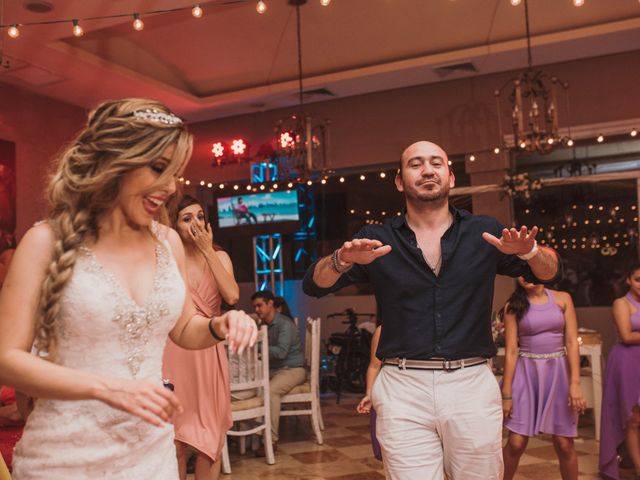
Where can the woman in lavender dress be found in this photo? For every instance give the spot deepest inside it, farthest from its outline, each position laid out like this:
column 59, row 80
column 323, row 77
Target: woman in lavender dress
column 621, row 398
column 541, row 388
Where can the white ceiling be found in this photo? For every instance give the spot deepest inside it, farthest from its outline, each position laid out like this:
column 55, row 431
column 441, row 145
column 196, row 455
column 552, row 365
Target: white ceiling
column 234, row 61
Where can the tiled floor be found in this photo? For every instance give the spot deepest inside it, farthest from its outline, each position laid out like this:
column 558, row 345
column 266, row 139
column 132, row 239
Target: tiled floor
column 346, row 453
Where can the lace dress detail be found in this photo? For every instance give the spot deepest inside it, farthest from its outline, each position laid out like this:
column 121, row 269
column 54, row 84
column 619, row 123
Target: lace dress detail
column 104, row 331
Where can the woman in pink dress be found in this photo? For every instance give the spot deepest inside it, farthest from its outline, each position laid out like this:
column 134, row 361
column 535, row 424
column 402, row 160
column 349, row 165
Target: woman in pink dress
column 201, row 377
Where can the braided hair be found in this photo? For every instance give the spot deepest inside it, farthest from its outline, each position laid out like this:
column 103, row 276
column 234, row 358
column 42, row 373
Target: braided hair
column 86, row 184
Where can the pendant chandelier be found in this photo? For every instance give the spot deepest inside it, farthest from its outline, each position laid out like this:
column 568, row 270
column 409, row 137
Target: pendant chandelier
column 533, row 103
column 301, row 141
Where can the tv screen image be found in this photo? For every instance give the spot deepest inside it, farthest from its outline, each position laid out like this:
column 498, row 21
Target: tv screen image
column 258, row 209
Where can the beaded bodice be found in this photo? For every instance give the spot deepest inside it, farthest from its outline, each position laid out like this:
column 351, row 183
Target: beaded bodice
column 102, row 329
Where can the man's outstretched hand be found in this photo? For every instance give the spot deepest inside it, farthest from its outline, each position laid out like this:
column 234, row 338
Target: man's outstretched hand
column 513, row 242
column 362, row 251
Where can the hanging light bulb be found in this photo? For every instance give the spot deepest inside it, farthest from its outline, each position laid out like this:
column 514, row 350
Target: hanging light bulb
column 600, row 138
column 634, row 132
column 570, row 143
column 196, row 11
column 138, row 24
column 578, row 3
column 496, row 150
column 77, row 29
column 383, row 175
column 341, row 179
column 472, row 158
column 515, row 3
column 261, row 7
column 13, row 31
column 324, row 3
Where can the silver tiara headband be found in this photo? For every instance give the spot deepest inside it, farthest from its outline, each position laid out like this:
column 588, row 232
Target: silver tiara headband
column 154, row 115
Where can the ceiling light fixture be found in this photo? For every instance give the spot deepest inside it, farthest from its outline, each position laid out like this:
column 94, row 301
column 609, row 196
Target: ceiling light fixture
column 77, row 29
column 534, row 106
column 196, row 11
column 138, row 24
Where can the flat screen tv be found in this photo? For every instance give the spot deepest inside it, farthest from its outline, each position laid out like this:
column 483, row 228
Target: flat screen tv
column 258, row 209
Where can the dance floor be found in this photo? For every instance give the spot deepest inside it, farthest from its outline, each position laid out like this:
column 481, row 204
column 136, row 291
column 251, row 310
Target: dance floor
column 346, row 453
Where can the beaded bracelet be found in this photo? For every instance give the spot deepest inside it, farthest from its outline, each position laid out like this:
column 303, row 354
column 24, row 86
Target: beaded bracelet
column 213, row 332
column 335, row 263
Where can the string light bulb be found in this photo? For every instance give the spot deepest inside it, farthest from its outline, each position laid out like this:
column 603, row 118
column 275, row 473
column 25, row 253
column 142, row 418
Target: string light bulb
column 325, row 3
column 600, row 138
column 341, row 179
column 472, row 158
column 634, row 132
column 570, row 143
column 196, row 11
column 362, row 177
column 578, row 3
column 138, row 24
column 13, row 31
column 77, row 29
column 496, row 150
column 261, row 7
column 383, row 175
column 515, row 3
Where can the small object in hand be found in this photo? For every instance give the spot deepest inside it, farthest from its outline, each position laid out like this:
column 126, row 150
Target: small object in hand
column 167, row 384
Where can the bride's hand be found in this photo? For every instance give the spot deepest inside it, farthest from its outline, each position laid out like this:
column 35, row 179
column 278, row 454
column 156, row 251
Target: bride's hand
column 146, row 399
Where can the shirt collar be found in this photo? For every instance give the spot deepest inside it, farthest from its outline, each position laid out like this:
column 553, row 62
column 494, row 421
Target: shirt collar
column 401, row 220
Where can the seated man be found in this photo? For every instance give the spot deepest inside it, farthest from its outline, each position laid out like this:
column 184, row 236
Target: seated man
column 286, row 359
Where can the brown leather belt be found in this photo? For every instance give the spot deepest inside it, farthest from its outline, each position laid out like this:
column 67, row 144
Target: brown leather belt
column 434, row 363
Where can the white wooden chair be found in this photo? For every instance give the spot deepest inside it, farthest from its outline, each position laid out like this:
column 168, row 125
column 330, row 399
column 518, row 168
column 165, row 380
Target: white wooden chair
column 253, row 376
column 309, row 391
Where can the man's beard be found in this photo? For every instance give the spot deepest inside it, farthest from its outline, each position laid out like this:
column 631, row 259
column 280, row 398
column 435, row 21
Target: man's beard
column 429, row 196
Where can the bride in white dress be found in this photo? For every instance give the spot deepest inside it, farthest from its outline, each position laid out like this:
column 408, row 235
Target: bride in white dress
column 98, row 287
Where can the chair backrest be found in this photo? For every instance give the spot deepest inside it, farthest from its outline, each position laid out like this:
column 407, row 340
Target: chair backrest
column 250, row 369
column 312, row 349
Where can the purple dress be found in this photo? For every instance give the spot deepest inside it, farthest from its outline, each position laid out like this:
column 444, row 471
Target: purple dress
column 540, row 387
column 621, row 394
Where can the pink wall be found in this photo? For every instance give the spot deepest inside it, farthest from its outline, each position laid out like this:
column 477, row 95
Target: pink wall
column 459, row 114
column 39, row 127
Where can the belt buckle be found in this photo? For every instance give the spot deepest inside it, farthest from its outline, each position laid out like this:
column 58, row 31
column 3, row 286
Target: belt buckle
column 402, row 364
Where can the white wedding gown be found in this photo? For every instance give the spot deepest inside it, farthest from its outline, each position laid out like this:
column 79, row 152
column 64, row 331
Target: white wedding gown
column 105, row 332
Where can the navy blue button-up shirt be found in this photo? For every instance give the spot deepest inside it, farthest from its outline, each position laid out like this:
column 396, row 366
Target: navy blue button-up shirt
column 424, row 316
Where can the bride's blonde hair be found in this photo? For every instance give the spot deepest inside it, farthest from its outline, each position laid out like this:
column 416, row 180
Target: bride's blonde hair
column 120, row 136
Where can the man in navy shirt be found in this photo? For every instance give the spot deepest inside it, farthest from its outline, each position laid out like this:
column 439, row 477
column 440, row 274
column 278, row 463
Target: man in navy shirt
column 432, row 270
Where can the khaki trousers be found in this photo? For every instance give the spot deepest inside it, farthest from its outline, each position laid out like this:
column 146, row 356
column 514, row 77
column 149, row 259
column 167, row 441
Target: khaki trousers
column 281, row 382
column 430, row 421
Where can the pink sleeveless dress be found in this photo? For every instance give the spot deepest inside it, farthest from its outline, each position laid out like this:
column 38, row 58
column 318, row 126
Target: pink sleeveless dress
column 201, row 380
